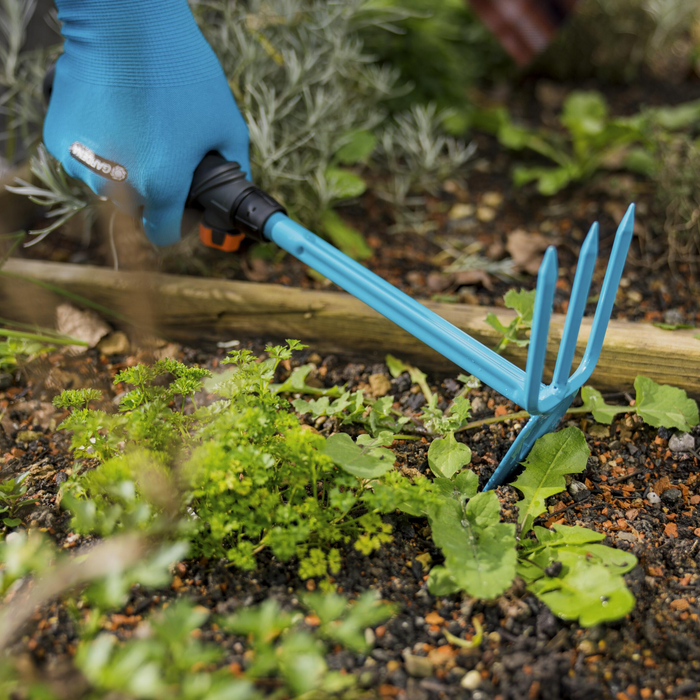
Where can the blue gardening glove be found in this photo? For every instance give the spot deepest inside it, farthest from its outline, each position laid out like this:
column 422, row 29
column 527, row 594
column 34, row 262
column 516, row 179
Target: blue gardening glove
column 138, row 100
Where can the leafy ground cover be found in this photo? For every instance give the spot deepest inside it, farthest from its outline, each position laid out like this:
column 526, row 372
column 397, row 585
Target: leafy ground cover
column 632, row 486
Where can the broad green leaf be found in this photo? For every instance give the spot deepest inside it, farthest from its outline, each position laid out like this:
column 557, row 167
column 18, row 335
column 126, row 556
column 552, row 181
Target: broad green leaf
column 518, row 137
column 584, row 113
column 328, row 606
column 479, row 549
column 348, row 239
column 467, row 484
column 522, row 302
column 302, row 663
column 323, row 406
column 590, row 587
column 664, row 406
column 385, row 438
column 296, row 383
column 359, row 147
column 316, row 407
column 553, row 180
column 440, row 582
column 552, row 457
column 678, row 117
column 447, row 456
column 509, row 333
column 495, row 323
column 490, row 119
column 594, row 402
column 367, row 463
column 396, row 367
column 566, row 534
column 522, row 174
column 345, row 184
column 639, row 160
column 264, row 623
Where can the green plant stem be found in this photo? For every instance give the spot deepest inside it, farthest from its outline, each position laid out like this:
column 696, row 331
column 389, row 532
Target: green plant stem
column 24, row 335
column 496, row 419
column 70, row 295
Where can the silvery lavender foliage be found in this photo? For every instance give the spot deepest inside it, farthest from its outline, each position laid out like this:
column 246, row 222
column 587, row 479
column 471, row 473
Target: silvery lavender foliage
column 419, row 156
column 305, row 83
column 21, row 77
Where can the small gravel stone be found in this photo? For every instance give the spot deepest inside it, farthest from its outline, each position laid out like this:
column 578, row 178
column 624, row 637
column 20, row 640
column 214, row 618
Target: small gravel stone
column 401, row 383
column 380, row 385
column 452, row 386
column 416, row 401
column 5, row 381
column 674, row 317
column 28, row 436
column 116, row 343
column 485, row 214
column 471, row 680
column 418, row 666
column 684, row 442
column 578, row 491
column 671, row 496
column 653, row 498
column 478, row 405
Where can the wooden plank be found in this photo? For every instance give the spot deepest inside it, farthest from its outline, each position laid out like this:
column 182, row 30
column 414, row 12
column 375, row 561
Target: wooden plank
column 192, row 309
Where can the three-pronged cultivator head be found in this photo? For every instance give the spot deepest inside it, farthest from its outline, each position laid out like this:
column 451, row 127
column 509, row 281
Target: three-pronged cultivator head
column 548, row 403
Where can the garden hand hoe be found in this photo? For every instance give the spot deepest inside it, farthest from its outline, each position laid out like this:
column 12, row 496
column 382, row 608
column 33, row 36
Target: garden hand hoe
column 232, row 205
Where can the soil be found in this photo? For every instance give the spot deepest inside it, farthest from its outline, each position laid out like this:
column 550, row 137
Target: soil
column 637, row 491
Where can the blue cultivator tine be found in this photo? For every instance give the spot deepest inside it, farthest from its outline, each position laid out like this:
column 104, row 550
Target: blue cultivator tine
column 537, row 352
column 534, row 429
column 613, row 274
column 577, row 307
column 546, row 404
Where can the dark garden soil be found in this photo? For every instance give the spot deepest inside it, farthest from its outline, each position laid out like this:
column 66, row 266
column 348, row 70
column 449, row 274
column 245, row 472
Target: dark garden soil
column 637, row 491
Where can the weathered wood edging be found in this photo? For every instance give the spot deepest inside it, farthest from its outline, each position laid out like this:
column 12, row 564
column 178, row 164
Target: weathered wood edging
column 192, row 309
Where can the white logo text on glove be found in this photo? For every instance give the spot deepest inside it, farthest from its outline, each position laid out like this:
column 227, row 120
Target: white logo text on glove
column 101, row 166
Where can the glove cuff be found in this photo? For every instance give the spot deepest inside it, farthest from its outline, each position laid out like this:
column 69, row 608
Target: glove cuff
column 134, row 43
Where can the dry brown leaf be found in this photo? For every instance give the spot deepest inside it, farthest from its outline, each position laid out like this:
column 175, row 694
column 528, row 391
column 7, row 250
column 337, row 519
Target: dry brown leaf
column 82, row 325
column 527, row 250
column 471, row 278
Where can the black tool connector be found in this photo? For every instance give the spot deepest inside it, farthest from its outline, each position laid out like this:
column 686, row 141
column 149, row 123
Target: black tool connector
column 231, row 202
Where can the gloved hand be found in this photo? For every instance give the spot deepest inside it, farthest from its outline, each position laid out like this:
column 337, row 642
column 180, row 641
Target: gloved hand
column 139, row 98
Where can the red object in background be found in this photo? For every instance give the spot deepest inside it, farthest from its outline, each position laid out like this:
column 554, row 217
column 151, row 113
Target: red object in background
column 524, row 27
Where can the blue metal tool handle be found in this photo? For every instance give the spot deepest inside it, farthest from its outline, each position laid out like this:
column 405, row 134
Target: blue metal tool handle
column 230, row 200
